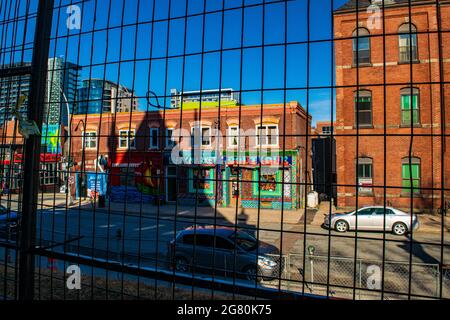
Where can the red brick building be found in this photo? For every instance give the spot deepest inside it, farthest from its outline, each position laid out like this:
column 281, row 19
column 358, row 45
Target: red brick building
column 140, row 147
column 389, row 87
column 324, row 128
column 11, row 158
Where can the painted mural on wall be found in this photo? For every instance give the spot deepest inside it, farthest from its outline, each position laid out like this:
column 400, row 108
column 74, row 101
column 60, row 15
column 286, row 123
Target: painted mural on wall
column 137, row 184
column 51, row 138
column 147, row 178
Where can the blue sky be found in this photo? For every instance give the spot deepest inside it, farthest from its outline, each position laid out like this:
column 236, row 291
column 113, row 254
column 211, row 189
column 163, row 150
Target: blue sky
column 137, row 61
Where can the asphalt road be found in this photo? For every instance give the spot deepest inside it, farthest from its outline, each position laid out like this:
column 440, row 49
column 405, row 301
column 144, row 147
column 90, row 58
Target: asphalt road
column 148, row 236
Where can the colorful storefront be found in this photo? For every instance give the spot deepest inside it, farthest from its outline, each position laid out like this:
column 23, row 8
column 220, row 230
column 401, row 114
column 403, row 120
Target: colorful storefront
column 136, row 177
column 247, row 180
column 11, row 173
column 269, row 182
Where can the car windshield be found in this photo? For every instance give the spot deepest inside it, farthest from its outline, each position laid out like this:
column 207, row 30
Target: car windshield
column 244, row 240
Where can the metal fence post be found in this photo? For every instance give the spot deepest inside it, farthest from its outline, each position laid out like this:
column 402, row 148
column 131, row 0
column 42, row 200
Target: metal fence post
column 287, row 271
column 312, row 272
column 438, row 277
column 32, row 147
column 360, row 278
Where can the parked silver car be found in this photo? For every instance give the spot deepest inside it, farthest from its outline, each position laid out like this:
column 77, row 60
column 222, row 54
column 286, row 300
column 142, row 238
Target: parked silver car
column 223, row 250
column 371, row 218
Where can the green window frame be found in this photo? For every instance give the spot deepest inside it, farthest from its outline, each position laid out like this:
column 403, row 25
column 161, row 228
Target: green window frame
column 409, row 104
column 209, row 179
column 364, row 170
column 411, row 174
column 267, row 193
column 363, row 108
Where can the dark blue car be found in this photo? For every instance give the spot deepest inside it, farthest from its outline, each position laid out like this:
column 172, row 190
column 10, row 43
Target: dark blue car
column 9, row 220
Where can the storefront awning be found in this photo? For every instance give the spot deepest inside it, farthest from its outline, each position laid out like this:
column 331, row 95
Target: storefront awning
column 45, row 157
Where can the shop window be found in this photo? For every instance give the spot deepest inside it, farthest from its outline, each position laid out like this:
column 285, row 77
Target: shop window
column 49, row 174
column 409, row 104
column 270, row 183
column 407, row 43
column 361, row 47
column 154, row 138
column 201, row 180
column 411, row 175
column 127, row 139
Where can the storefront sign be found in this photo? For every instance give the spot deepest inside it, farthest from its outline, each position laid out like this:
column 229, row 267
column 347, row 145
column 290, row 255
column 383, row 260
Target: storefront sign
column 97, row 183
column 268, row 160
column 209, row 157
column 203, row 157
column 127, row 165
column 365, row 185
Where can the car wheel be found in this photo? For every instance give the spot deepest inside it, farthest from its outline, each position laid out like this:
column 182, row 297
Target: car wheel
column 399, row 228
column 251, row 273
column 341, row 226
column 181, row 264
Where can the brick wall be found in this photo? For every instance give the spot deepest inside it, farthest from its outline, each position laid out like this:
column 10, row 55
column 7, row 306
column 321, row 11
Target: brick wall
column 292, row 123
column 385, row 85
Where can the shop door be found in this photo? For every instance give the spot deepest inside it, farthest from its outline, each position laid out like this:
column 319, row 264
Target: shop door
column 171, row 184
column 234, row 192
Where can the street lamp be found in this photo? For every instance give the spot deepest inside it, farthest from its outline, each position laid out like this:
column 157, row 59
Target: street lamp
column 68, row 147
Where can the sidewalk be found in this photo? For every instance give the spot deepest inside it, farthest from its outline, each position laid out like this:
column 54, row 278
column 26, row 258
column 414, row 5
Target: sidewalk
column 202, row 213
column 48, row 201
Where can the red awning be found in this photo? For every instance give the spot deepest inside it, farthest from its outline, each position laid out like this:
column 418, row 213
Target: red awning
column 45, row 157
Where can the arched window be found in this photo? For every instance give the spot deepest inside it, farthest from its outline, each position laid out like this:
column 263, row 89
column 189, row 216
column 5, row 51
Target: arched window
column 361, row 47
column 411, row 175
column 407, row 43
column 363, row 108
column 409, row 106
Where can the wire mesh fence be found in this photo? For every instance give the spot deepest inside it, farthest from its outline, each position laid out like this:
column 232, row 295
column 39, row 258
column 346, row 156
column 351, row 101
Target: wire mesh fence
column 175, row 149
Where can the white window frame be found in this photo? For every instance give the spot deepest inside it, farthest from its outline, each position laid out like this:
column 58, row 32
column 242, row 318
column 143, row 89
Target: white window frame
column 201, row 132
column 49, row 173
column 170, row 141
column 127, row 139
column 86, row 138
column 152, row 146
column 231, row 136
column 265, row 133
